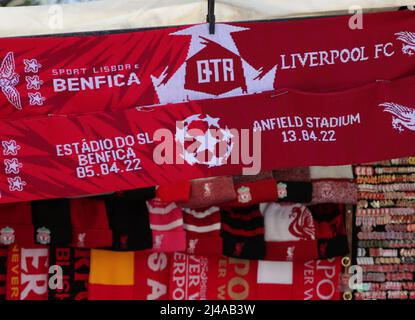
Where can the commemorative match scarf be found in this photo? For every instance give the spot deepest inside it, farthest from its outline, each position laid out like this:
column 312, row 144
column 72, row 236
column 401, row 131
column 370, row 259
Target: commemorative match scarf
column 96, row 72
column 101, row 152
column 53, row 146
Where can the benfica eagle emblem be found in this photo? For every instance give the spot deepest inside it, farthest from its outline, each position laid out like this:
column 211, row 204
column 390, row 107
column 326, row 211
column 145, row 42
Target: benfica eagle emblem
column 9, row 79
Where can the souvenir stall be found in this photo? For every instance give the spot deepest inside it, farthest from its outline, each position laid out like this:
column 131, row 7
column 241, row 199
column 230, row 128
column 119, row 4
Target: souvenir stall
column 238, row 159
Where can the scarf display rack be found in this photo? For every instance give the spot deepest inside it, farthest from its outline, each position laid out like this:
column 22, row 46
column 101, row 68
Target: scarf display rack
column 126, row 169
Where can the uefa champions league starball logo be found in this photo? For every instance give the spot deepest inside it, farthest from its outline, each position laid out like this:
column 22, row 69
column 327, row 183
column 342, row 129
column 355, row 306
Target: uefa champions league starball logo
column 203, row 141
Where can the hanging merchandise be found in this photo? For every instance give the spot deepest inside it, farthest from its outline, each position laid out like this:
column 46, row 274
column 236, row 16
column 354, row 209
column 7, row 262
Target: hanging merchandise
column 208, row 192
column 289, row 232
column 296, row 191
column 203, row 229
column 75, row 267
column 27, row 273
column 52, row 222
column 129, row 219
column 140, row 275
column 83, row 73
column 334, row 191
column 264, row 175
column 253, row 193
column 102, row 152
column 300, row 174
column 16, row 224
column 223, row 278
column 243, row 232
column 184, row 163
column 384, row 236
column 90, row 227
column 166, row 223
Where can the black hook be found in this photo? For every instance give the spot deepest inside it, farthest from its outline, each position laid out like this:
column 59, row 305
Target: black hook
column 210, row 18
column 406, row 8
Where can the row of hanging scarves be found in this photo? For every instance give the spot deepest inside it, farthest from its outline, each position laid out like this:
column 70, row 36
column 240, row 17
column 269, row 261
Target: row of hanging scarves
column 318, row 93
column 127, row 14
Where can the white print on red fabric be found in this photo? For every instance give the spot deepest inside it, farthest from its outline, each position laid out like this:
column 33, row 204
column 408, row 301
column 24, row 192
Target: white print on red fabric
column 206, row 143
column 189, row 277
column 36, row 99
column 7, row 236
column 16, row 184
column 408, row 38
column 33, row 82
column 31, row 65
column 318, row 279
column 403, row 117
column 302, row 225
column 213, row 68
column 206, row 190
column 192, row 246
column 244, row 195
column 158, row 240
column 13, row 166
column 288, row 222
column 201, row 214
column 10, row 148
column 34, row 272
column 9, row 80
column 290, row 253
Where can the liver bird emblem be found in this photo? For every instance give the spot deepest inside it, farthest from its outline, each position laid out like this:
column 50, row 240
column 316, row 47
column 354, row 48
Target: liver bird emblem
column 408, row 38
column 9, row 79
column 403, row 117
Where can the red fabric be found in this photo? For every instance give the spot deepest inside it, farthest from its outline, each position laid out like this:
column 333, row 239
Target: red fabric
column 152, row 274
column 90, row 227
column 204, row 221
column 212, row 278
column 16, row 224
column 27, row 273
column 224, row 278
column 166, row 222
column 105, row 292
column 171, row 241
column 203, row 231
column 254, row 192
column 209, row 192
column 317, row 280
column 180, row 65
column 57, row 139
column 143, row 275
column 174, row 192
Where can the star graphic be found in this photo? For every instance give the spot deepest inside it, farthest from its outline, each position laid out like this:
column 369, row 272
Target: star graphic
column 12, row 166
column 10, row 147
column 200, row 37
column 212, row 121
column 36, row 99
column 16, row 184
column 33, row 82
column 227, row 135
column 207, row 142
column 31, row 65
